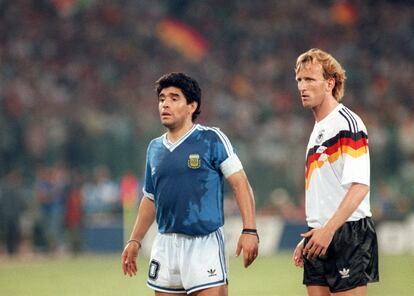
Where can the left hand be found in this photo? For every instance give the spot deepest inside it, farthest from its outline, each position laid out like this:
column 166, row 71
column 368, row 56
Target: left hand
column 318, row 243
column 250, row 246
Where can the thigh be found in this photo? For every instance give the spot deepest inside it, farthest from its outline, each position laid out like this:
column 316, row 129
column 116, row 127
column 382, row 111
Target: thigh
column 215, row 291
column 203, row 263
column 157, row 293
column 358, row 291
column 318, row 291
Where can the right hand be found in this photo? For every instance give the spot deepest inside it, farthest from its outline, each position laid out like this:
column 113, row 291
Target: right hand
column 298, row 254
column 129, row 258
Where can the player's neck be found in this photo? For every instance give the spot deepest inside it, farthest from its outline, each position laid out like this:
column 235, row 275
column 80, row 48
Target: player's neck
column 326, row 107
column 175, row 134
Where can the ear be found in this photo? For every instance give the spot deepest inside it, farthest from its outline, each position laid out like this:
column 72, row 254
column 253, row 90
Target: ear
column 193, row 106
column 330, row 84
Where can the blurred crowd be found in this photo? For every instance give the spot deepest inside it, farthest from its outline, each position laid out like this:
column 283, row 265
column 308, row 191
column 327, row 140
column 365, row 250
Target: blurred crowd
column 78, row 107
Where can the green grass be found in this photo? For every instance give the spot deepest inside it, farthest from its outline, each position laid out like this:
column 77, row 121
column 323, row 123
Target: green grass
column 101, row 275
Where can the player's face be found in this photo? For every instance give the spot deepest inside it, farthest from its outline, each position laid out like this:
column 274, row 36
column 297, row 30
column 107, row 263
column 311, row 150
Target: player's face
column 313, row 87
column 173, row 108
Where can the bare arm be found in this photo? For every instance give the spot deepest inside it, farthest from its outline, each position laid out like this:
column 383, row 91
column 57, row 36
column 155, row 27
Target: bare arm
column 245, row 201
column 144, row 220
column 322, row 237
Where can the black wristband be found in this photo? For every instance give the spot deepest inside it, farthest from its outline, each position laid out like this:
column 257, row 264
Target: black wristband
column 251, row 232
column 135, row 241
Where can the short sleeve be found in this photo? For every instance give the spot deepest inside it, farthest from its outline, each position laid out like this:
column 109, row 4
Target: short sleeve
column 225, row 156
column 355, row 157
column 148, row 189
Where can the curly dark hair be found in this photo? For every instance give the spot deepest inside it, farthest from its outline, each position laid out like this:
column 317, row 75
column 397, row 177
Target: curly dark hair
column 188, row 86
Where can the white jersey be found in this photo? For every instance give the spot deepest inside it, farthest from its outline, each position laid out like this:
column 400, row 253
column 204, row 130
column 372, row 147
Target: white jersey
column 337, row 156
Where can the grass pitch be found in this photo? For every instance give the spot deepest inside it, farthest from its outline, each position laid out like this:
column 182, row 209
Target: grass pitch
column 101, row 275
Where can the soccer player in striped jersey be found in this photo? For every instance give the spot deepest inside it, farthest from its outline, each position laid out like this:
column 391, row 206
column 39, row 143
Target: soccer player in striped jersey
column 339, row 251
column 183, row 192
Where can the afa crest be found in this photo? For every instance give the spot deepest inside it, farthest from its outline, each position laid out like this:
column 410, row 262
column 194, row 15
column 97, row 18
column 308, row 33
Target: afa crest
column 194, row 161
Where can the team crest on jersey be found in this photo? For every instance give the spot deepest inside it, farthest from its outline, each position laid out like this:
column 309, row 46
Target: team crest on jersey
column 319, row 138
column 194, row 161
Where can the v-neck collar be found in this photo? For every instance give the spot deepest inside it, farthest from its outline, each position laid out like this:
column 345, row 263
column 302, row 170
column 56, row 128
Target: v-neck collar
column 171, row 146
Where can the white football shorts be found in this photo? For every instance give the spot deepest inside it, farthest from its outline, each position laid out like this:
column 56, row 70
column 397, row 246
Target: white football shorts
column 184, row 264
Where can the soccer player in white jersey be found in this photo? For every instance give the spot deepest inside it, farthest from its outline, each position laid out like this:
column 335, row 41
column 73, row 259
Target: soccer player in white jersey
column 183, row 192
column 339, row 252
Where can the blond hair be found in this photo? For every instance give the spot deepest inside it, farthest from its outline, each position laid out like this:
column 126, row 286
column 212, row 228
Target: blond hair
column 331, row 69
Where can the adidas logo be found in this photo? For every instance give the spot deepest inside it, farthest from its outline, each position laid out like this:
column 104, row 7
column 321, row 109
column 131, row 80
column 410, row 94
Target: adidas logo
column 344, row 273
column 212, row 272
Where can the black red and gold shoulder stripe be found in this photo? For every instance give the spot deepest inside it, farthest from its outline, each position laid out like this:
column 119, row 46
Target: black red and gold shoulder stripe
column 345, row 142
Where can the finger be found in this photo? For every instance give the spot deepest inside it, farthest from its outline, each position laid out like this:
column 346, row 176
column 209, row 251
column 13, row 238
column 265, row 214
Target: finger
column 131, row 265
column 316, row 252
column 252, row 256
column 248, row 256
column 297, row 258
column 297, row 252
column 130, row 272
column 307, row 247
column 296, row 261
column 127, row 266
column 311, row 251
column 307, row 234
column 248, row 260
column 134, row 267
column 238, row 250
column 131, row 269
column 309, row 254
column 127, row 270
column 245, row 258
column 123, row 262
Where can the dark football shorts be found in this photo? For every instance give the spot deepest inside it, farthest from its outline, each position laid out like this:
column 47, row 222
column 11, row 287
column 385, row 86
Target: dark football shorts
column 351, row 259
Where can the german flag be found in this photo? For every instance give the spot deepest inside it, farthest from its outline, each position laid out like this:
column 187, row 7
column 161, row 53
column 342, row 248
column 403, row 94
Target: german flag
column 344, row 13
column 345, row 142
column 183, row 38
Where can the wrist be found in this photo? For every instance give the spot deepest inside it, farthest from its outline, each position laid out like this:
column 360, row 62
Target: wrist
column 251, row 231
column 330, row 228
column 135, row 241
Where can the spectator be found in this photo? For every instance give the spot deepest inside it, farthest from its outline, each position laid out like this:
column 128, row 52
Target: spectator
column 12, row 205
column 74, row 83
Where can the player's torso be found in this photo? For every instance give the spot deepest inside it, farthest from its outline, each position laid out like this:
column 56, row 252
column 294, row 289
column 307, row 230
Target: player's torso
column 187, row 183
column 332, row 141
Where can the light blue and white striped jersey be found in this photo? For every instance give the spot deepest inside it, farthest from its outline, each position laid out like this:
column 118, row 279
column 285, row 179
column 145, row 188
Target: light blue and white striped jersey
column 185, row 180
